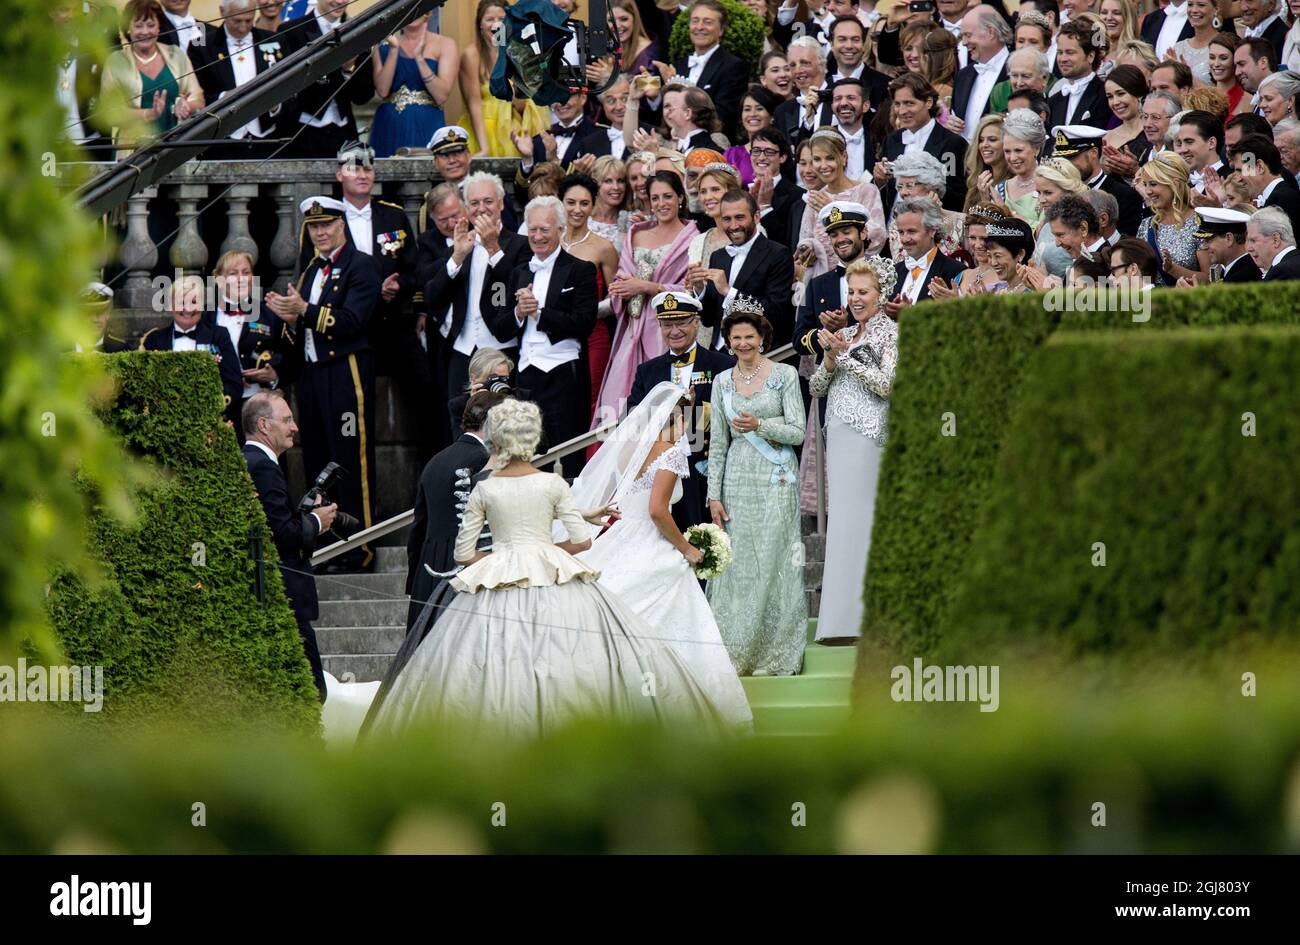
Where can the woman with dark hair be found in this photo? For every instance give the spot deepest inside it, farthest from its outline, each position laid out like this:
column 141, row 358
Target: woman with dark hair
column 653, row 260
column 756, row 110
column 774, row 74
column 1223, row 71
column 579, row 193
column 1126, row 87
column 758, row 419
column 158, row 79
column 1009, row 245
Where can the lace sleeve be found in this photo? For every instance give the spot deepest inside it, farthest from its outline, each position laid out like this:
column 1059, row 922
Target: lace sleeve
column 820, row 382
column 674, row 459
column 883, row 339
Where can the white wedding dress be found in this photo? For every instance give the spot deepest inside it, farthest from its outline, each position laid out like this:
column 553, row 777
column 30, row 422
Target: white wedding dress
column 645, row 571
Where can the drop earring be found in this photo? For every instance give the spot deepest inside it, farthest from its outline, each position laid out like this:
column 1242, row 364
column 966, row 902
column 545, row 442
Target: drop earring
column 1216, row 23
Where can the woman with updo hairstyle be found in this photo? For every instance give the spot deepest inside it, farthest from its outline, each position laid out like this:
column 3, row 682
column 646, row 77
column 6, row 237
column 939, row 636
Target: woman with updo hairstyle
column 712, row 180
column 1164, row 182
column 488, row 666
column 1055, row 178
column 579, row 194
column 1023, row 136
column 653, row 260
column 830, row 157
column 855, row 376
column 1008, row 245
column 757, row 419
column 973, row 281
column 940, row 50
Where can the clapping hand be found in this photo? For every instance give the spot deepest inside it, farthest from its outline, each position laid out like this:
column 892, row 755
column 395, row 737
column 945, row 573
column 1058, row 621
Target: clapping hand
column 985, row 184
column 462, row 242
column 584, row 164
column 895, row 305
column 600, row 70
column 1213, row 185
column 939, row 289
column 666, row 72
column 159, row 103
column 761, row 189
column 524, row 145
column 183, row 108
column 696, row 276
column 643, row 140
column 526, row 302
column 288, row 306
column 549, row 144
column 488, row 229
column 817, row 199
column 624, row 286
column 834, row 320
column 1032, row 276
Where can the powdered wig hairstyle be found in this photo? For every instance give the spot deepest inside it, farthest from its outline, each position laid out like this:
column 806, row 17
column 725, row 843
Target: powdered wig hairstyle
column 924, row 168
column 1024, row 125
column 513, row 430
column 1169, row 169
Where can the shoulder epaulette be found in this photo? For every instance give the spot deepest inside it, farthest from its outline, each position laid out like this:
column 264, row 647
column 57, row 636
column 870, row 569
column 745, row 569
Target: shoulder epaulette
column 395, row 206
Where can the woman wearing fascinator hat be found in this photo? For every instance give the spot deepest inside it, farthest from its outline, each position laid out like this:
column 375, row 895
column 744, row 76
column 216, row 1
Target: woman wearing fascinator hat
column 856, row 376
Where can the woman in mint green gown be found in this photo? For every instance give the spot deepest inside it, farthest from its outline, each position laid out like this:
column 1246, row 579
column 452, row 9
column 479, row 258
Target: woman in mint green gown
column 754, row 493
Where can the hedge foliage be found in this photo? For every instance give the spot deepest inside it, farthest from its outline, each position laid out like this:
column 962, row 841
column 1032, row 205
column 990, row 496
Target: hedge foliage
column 1173, row 450
column 742, row 37
column 1188, row 767
column 961, row 369
column 174, row 620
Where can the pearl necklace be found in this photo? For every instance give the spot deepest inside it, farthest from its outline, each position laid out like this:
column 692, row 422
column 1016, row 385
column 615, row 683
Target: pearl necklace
column 145, row 62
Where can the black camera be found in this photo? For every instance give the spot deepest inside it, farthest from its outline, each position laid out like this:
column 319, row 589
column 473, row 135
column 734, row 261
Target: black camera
column 921, row 6
column 345, row 525
column 497, row 384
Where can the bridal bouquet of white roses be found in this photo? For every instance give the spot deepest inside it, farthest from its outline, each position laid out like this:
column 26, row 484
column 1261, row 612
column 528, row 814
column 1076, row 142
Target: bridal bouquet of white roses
column 715, row 544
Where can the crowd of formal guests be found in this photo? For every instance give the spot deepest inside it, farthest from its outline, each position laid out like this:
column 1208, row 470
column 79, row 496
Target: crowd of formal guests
column 866, row 162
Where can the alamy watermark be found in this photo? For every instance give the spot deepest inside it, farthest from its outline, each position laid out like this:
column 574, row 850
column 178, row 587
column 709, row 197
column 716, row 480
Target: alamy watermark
column 934, row 683
column 37, row 683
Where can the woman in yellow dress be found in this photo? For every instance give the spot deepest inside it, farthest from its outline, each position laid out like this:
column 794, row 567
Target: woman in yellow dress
column 489, row 120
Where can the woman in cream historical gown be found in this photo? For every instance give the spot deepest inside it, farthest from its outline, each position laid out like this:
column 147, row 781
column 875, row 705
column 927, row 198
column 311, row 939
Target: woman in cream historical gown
column 643, row 557
column 533, row 640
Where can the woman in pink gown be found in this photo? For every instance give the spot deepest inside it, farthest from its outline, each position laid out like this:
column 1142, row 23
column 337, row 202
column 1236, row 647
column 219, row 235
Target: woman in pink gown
column 653, row 261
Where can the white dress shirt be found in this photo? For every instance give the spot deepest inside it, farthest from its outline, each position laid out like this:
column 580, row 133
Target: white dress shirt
column 1266, row 193
column 986, row 78
column 233, row 323
column 617, row 146
column 1175, row 20
column 1233, row 263
column 537, row 350
column 189, row 344
column 187, row 29
column 856, row 146
column 474, row 334
column 244, row 64
column 317, row 287
column 360, row 227
column 917, row 270
column 332, row 115
column 854, row 74
column 696, row 62
column 1074, row 89
column 1256, row 32
column 67, row 94
column 738, row 256
column 1280, row 256
column 914, row 141
column 1291, row 48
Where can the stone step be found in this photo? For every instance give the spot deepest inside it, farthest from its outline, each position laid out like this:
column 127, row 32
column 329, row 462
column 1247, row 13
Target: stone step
column 362, row 613
column 764, row 691
column 357, row 667
column 354, row 641
column 390, row 560
column 800, row 720
column 377, row 586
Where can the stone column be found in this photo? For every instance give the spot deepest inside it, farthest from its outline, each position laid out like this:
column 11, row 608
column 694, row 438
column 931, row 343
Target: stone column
column 284, row 248
column 189, row 252
column 139, row 253
column 410, row 194
column 237, row 236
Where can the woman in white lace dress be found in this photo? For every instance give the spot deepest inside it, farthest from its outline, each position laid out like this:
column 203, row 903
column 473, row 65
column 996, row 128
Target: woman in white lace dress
column 533, row 640
column 855, row 377
column 643, row 557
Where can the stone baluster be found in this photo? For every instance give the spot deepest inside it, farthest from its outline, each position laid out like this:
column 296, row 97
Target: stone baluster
column 189, row 253
column 410, row 194
column 237, row 235
column 284, row 248
column 139, row 253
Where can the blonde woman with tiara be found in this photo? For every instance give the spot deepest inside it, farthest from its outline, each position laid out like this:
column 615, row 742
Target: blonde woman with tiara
column 829, row 158
column 1171, row 228
column 1054, row 178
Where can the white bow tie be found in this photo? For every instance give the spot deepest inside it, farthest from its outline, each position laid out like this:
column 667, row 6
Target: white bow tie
column 363, row 212
column 1255, row 32
column 537, row 265
column 734, row 251
column 1174, row 9
column 186, row 20
column 911, row 137
column 954, row 28
column 1070, row 86
column 615, row 134
column 683, row 144
column 983, row 68
column 856, row 138
column 1196, row 179
column 918, row 263
column 1259, row 201
column 693, row 61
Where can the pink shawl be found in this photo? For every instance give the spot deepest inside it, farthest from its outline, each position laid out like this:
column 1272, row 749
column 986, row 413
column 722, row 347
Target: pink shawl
column 637, row 340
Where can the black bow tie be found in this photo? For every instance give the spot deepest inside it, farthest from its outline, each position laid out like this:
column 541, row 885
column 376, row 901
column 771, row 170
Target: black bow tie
column 178, row 333
column 560, row 131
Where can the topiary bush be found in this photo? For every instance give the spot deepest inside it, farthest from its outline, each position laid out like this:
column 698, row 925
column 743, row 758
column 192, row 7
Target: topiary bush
column 174, row 620
column 960, row 370
column 1173, row 450
column 742, row 37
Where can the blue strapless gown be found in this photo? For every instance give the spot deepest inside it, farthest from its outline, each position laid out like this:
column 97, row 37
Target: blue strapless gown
column 414, row 125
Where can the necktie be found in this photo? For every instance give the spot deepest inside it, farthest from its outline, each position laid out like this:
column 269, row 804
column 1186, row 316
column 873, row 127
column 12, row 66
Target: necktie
column 560, row 131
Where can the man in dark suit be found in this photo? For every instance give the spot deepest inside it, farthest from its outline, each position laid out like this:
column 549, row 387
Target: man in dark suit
column 180, row 27
column 850, row 44
column 440, row 499
column 1258, row 161
column 919, row 223
column 1262, row 22
column 233, row 55
column 987, row 35
column 823, row 298
column 1270, row 239
column 1081, row 144
column 1223, row 234
column 752, row 265
column 688, row 365
column 716, row 72
column 1080, row 98
column 268, row 431
column 560, row 142
column 550, row 306
column 328, row 315
column 780, row 203
column 189, row 331
column 608, row 139
column 807, row 74
column 97, row 303
column 462, row 283
column 915, row 106
column 321, row 114
column 1154, row 25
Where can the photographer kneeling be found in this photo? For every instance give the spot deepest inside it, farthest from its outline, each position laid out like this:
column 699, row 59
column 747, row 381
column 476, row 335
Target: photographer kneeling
column 269, row 427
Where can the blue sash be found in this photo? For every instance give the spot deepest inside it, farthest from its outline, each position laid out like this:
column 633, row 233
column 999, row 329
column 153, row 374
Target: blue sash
column 782, row 458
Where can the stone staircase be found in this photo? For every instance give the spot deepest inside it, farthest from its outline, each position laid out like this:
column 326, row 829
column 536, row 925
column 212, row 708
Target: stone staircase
column 363, row 621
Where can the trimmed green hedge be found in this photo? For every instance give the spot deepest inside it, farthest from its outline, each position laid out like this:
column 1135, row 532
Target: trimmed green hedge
column 965, row 361
column 1192, row 767
column 173, row 619
column 1135, row 440
column 743, row 36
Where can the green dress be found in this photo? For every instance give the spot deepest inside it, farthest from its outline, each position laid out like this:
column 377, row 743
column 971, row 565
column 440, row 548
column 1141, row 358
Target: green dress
column 166, row 82
column 759, row 600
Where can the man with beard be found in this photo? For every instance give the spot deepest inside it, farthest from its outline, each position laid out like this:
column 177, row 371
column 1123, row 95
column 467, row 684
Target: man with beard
column 1081, row 144
column 823, row 299
column 848, row 102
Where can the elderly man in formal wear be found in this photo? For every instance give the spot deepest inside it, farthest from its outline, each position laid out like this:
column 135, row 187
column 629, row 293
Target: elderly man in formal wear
column 693, row 368
column 549, row 305
column 805, row 112
column 328, row 314
column 751, row 265
column 919, row 221
column 1270, row 239
column 987, row 36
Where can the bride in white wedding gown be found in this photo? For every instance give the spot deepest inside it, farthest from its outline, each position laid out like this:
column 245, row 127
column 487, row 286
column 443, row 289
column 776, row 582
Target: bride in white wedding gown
column 643, row 557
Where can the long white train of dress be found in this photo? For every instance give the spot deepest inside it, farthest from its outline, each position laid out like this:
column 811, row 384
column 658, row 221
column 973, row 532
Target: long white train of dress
column 648, row 574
